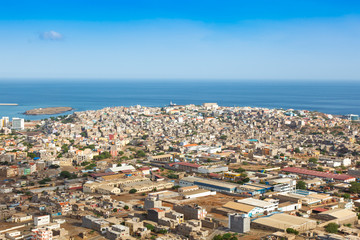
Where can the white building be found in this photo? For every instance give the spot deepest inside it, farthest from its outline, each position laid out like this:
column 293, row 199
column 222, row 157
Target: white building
column 42, row 234
column 338, row 162
column 267, row 206
column 285, row 188
column 41, row 220
column 122, row 167
column 18, row 124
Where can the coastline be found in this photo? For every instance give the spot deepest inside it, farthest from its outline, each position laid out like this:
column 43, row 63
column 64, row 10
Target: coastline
column 82, row 97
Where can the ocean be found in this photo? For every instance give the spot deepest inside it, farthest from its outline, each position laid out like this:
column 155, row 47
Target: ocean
column 336, row 98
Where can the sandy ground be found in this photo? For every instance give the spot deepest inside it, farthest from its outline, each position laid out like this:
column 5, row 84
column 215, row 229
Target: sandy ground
column 136, row 198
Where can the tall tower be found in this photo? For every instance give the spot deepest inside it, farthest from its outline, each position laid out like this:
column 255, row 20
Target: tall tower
column 152, row 202
column 239, row 223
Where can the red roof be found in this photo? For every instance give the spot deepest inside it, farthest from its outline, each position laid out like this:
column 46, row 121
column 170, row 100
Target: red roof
column 144, row 168
column 190, row 145
column 319, row 209
column 214, row 175
column 157, row 209
column 317, row 173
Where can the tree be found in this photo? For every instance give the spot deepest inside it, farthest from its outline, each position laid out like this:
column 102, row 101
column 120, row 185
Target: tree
column 301, row 185
column 150, row 227
column 115, row 210
column 173, row 176
column 245, row 180
column 65, row 174
column 140, row 154
column 54, row 166
column 240, row 170
column 346, row 195
column 227, row 236
column 126, row 207
column 132, row 191
column 313, row 160
column 332, row 228
column 355, row 187
column 162, row 231
column 291, row 230
column 65, row 148
column 297, row 150
column 223, row 137
column 102, row 156
column 217, row 237
column 31, row 155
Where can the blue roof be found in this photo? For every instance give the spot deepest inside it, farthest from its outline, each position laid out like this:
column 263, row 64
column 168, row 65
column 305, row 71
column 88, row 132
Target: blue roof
column 252, row 140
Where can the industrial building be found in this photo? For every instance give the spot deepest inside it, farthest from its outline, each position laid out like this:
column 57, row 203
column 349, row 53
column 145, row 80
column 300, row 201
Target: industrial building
column 340, row 216
column 253, row 189
column 209, row 184
column 267, row 206
column 248, row 210
column 312, row 173
column 282, row 221
column 305, row 199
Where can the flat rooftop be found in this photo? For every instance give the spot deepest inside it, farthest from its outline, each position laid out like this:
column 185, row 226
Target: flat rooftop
column 256, row 202
column 210, row 182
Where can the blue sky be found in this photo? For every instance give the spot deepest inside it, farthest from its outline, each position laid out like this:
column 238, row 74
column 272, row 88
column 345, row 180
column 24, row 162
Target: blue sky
column 180, row 39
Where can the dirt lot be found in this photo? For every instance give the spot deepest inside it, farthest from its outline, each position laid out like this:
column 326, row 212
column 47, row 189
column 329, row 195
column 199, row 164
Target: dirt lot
column 208, row 202
column 255, row 234
column 136, row 198
column 74, row 228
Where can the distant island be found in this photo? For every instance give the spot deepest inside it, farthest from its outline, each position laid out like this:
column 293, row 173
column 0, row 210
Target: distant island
column 48, row 111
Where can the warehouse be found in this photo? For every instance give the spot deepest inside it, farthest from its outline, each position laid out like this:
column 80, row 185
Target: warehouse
column 312, row 173
column 209, row 184
column 282, row 221
column 267, row 206
column 147, row 186
column 340, row 216
column 198, row 193
column 250, row 211
column 253, row 189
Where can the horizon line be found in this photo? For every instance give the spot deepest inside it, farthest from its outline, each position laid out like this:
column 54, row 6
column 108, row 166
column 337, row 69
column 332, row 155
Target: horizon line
column 42, row 79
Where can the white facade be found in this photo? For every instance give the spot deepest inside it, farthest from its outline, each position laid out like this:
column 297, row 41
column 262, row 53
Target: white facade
column 41, row 220
column 290, row 207
column 285, row 188
column 201, row 194
column 267, row 206
column 213, row 169
column 117, row 169
column 18, row 123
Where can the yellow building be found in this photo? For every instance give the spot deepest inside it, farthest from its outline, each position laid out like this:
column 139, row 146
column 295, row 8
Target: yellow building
column 231, row 175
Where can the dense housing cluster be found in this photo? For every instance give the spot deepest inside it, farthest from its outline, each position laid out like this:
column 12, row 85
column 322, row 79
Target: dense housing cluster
column 180, row 172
